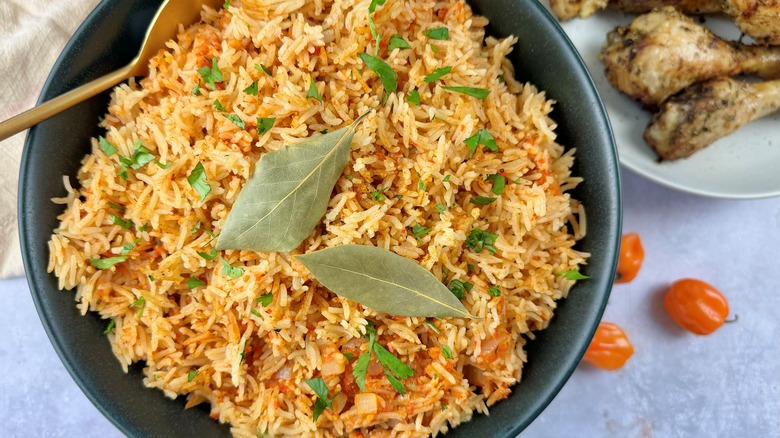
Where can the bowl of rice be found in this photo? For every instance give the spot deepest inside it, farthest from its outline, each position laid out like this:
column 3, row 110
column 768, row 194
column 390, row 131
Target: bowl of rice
column 474, row 148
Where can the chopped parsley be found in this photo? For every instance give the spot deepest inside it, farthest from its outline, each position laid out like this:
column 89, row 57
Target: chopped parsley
column 441, row 208
column 211, row 74
column 140, row 158
column 437, row 74
column 256, row 313
column 236, row 120
column 482, row 200
column 116, row 206
column 252, row 89
column 231, row 271
column 313, row 92
column 480, row 239
column 459, row 288
column 419, row 231
column 265, row 299
column 378, row 195
column 479, row 93
column 140, row 303
column 127, row 247
column 110, row 327
column 397, row 42
column 262, row 68
column 446, row 178
column 498, row 183
column 218, row 105
column 413, row 97
column 421, row 185
column 494, row 291
column 107, row 147
column 196, row 228
column 107, row 262
column 393, row 367
column 349, row 356
column 446, row 351
column 193, row 282
column 211, row 255
column 227, row 4
column 573, row 274
column 191, row 375
column 121, row 222
column 163, row 166
column 144, row 228
column 433, row 327
column 264, row 124
column 322, row 402
column 197, row 179
column 482, row 137
column 196, row 89
column 384, row 71
column 439, row 33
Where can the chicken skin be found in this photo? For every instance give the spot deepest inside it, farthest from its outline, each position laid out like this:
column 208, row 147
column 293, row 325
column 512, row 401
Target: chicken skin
column 708, row 111
column 663, row 52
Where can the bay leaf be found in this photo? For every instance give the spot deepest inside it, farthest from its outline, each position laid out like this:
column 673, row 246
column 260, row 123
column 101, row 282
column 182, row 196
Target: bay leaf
column 288, row 194
column 383, row 281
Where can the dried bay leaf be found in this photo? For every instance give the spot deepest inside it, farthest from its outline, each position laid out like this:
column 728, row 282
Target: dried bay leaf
column 383, row 281
column 288, row 194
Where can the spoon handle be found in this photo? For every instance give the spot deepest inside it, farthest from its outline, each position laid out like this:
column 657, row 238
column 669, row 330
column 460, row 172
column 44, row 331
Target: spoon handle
column 60, row 103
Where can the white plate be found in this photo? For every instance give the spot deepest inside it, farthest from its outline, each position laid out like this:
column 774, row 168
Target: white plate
column 744, row 165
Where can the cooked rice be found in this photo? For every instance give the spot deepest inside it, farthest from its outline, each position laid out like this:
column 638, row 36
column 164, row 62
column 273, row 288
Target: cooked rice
column 251, row 369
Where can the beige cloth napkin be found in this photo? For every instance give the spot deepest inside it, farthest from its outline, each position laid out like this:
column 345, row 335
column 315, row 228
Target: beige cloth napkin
column 32, row 35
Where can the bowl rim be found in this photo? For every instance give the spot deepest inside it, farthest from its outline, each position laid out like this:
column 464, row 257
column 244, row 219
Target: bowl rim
column 61, row 345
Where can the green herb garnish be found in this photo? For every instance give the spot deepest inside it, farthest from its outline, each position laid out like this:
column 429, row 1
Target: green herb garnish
column 121, row 222
column 264, row 124
column 231, row 271
column 413, row 97
column 211, row 74
column 349, row 356
column 256, row 313
column 252, row 89
column 397, row 42
column 384, row 71
column 446, row 178
column 498, row 183
column 322, row 402
column 197, row 180
column 482, row 200
column 393, row 367
column 140, row 303
column 265, row 299
column 433, row 327
column 479, row 93
column 479, row 239
column 211, row 255
column 419, row 231
column 494, row 291
column 378, row 195
column 262, row 68
column 482, row 137
column 193, row 282
column 227, row 4
column 236, row 120
column 441, row 208
column 116, row 206
column 126, row 248
column 196, row 89
column 437, row 74
column 313, row 92
column 107, row 262
column 218, row 105
column 191, row 375
column 439, row 33
column 446, row 351
column 110, row 326
column 573, row 274
column 107, row 147
column 459, row 288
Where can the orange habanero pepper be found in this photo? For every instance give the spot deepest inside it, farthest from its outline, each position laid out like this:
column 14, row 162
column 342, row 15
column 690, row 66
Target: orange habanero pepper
column 631, row 257
column 610, row 348
column 696, row 306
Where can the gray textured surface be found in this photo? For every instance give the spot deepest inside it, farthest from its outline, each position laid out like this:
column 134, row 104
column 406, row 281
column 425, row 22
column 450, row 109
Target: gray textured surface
column 676, row 385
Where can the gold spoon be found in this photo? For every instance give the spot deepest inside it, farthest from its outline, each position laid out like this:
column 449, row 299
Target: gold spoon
column 163, row 28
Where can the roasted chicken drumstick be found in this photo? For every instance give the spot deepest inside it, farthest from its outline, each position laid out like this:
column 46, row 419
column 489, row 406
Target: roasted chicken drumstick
column 663, row 52
column 759, row 19
column 708, row 111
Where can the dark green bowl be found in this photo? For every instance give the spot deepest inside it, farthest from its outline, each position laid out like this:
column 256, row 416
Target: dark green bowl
column 110, row 37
